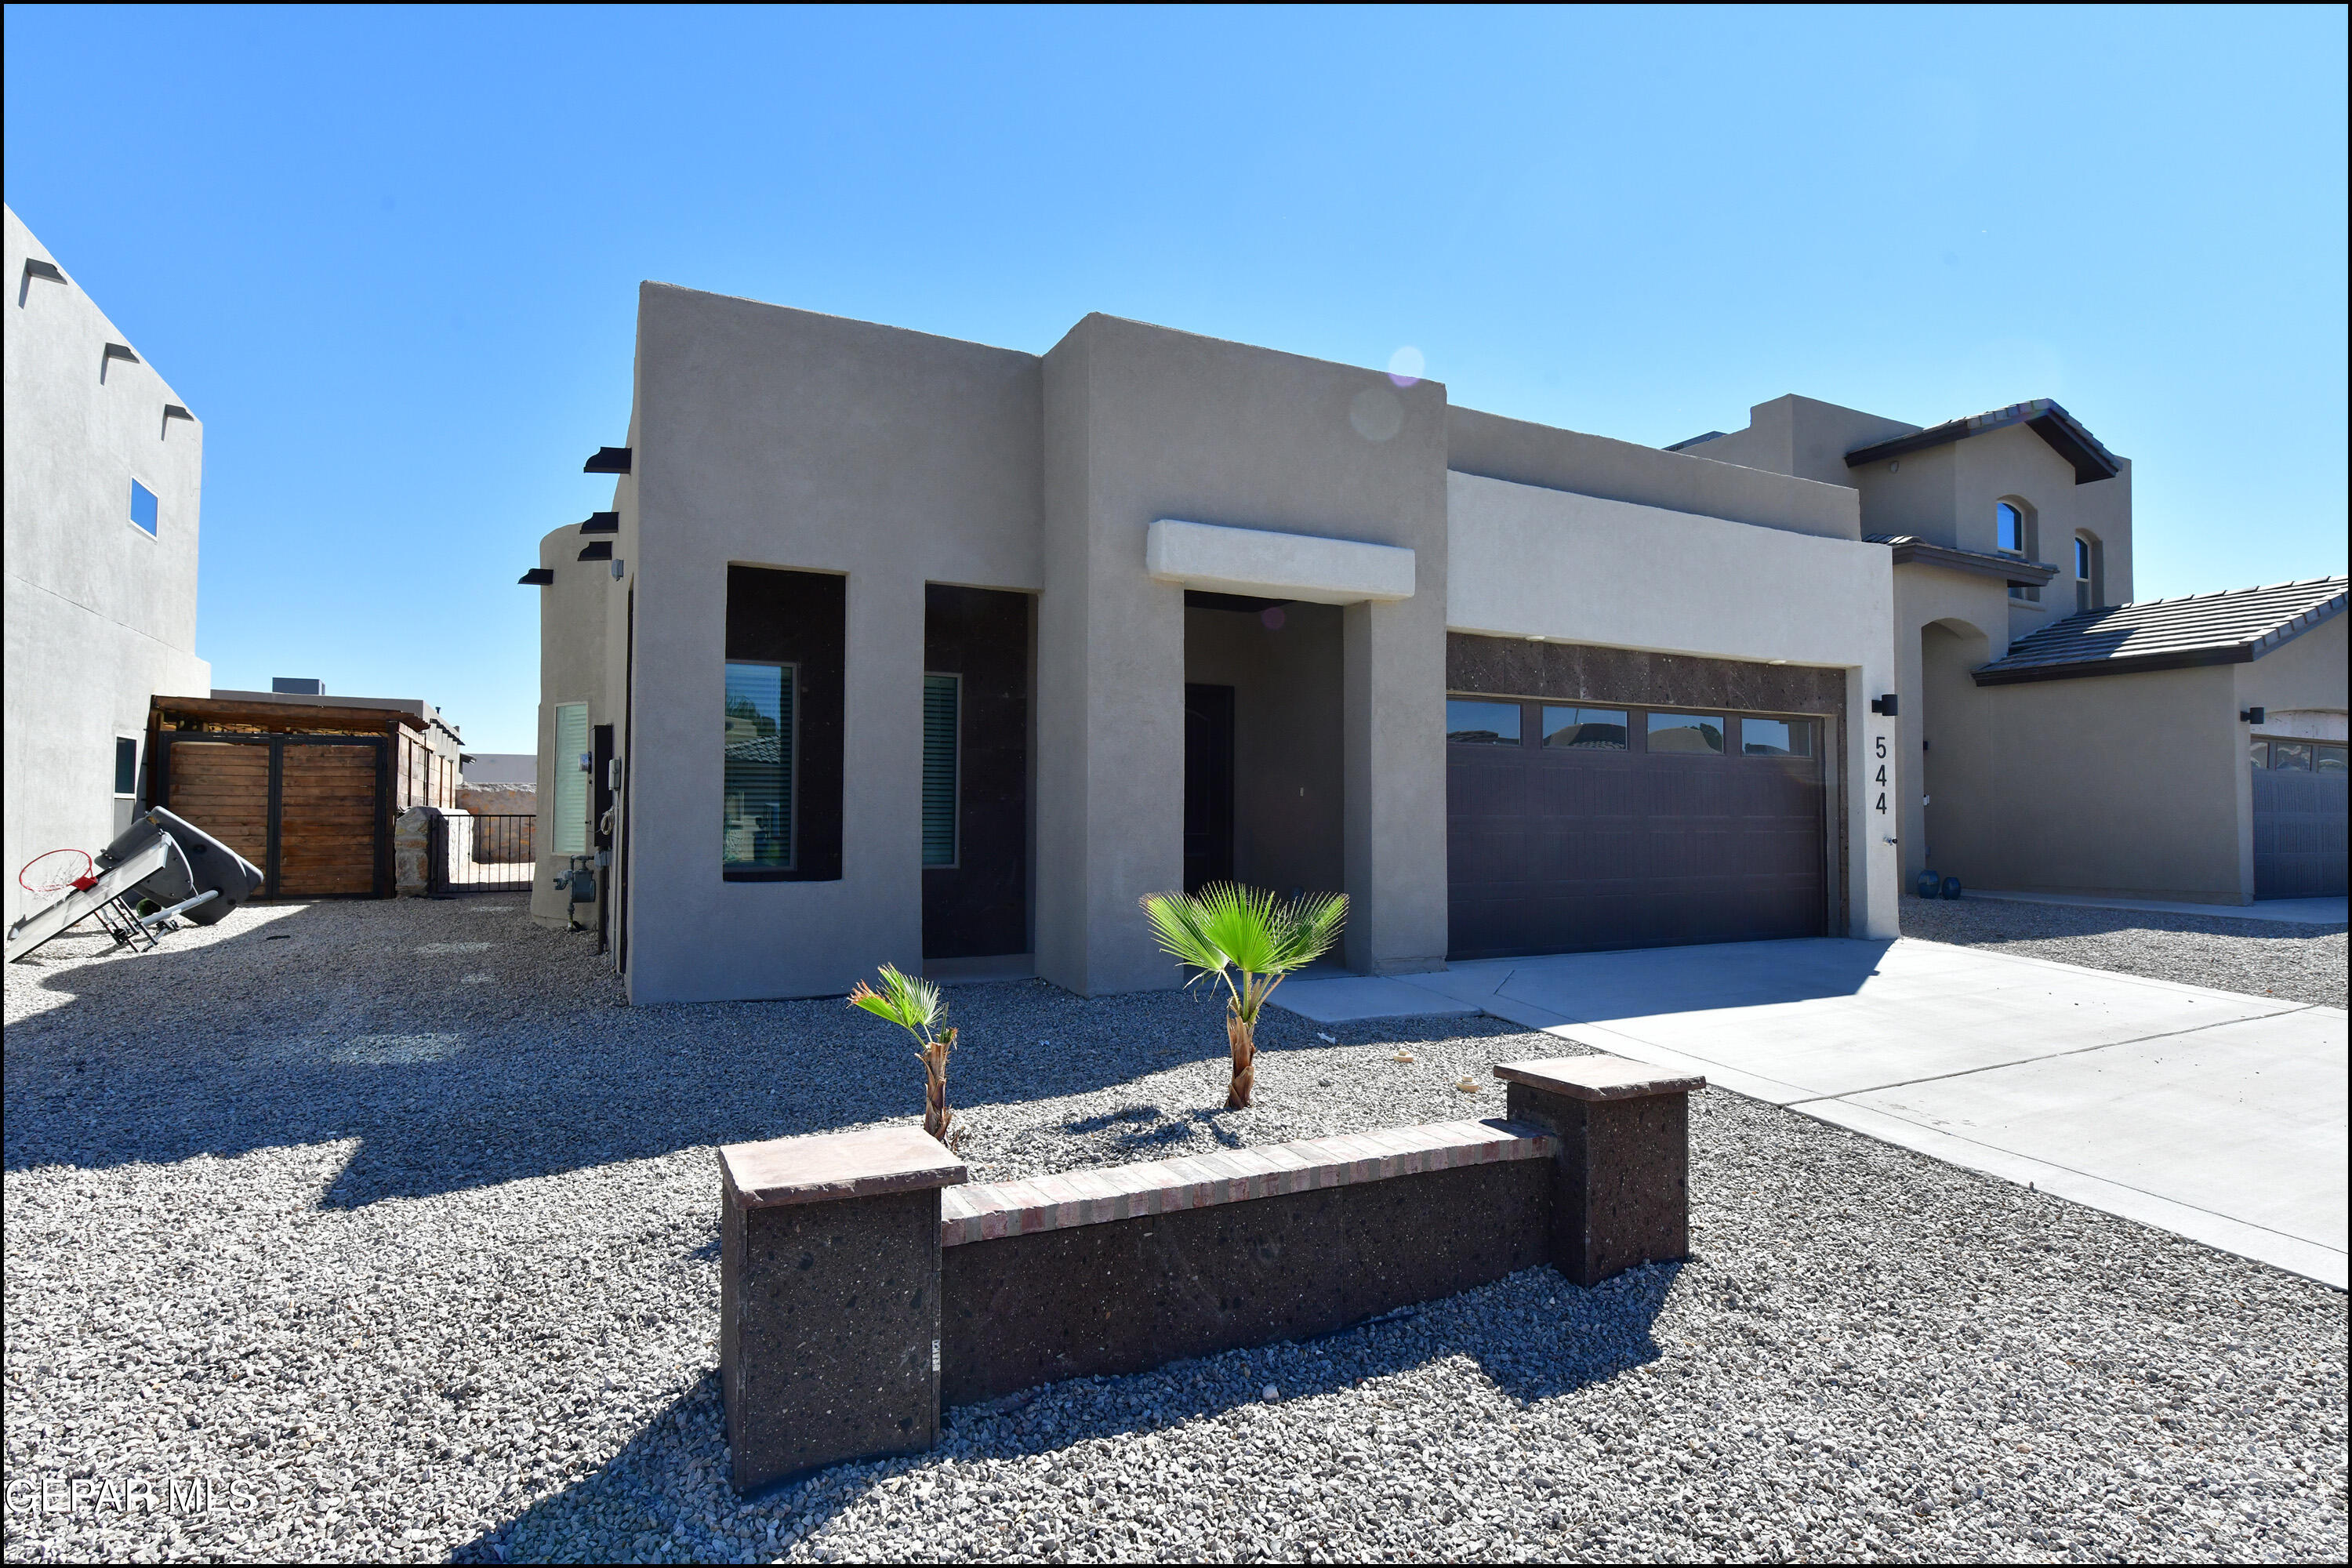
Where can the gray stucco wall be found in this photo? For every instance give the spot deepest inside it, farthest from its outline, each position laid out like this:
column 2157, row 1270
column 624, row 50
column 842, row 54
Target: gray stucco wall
column 100, row 614
column 779, row 438
column 1142, row 423
column 571, row 638
column 1494, row 447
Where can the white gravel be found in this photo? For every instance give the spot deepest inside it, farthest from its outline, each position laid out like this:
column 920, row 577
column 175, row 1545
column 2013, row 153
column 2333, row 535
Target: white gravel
column 405, row 1245
column 2258, row 958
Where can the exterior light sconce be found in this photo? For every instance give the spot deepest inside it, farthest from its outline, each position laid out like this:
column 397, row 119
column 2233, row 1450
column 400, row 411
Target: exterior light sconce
column 1884, row 705
column 2250, row 716
column 618, row 565
column 537, row 577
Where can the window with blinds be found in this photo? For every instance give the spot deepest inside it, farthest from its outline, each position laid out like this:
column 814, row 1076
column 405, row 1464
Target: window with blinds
column 942, row 709
column 571, row 763
column 758, row 789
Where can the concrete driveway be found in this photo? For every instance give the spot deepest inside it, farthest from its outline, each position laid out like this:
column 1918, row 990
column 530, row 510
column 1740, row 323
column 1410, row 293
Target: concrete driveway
column 2216, row 1116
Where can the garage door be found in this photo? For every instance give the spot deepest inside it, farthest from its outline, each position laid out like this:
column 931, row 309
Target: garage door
column 2299, row 819
column 1575, row 828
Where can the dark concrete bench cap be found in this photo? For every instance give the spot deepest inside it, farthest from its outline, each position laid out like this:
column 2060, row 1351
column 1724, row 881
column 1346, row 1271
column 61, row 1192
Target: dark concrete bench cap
column 1597, row 1078
column 829, row 1166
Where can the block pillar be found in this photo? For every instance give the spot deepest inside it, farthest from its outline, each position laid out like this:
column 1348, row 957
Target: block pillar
column 1620, row 1194
column 829, row 1299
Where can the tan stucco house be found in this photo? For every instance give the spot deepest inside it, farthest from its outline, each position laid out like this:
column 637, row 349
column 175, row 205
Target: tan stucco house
column 2055, row 736
column 894, row 647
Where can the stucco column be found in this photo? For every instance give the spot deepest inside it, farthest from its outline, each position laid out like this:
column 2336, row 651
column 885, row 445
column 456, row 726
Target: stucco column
column 1394, row 734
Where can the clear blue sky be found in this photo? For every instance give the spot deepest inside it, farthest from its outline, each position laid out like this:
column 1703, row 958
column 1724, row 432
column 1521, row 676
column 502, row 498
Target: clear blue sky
column 390, row 257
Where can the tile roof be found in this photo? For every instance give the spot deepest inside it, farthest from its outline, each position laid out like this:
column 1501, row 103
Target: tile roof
column 2065, row 434
column 2234, row 627
column 2008, row 568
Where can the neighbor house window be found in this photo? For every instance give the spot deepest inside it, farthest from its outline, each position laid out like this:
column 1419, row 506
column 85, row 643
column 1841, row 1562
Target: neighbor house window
column 1686, row 732
column 758, row 818
column 142, row 506
column 2090, row 592
column 942, row 705
column 1584, row 729
column 2015, row 535
column 126, row 781
column 573, row 760
column 1776, row 737
column 1472, row 723
column 2010, row 528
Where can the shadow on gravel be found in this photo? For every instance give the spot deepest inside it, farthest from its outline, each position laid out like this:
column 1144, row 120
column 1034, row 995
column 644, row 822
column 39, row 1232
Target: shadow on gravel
column 462, row 1045
column 1534, row 1335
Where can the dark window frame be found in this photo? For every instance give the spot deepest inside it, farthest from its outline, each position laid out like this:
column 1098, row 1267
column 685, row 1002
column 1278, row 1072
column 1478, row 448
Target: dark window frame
column 736, row 870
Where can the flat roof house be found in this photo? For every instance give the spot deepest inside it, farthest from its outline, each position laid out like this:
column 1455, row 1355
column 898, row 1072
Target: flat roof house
column 105, row 475
column 896, row 647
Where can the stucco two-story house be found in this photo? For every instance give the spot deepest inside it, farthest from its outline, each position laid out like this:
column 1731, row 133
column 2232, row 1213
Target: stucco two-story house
column 2053, row 734
column 894, row 647
column 105, row 469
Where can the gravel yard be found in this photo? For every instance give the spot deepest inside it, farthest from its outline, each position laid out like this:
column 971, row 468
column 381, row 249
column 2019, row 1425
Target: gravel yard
column 390, row 1224
column 2259, row 958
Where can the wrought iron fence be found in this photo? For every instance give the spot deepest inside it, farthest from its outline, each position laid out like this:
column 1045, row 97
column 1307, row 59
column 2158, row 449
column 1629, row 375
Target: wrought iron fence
column 481, row 853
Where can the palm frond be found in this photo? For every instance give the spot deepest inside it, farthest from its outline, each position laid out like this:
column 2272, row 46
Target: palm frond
column 1178, row 925
column 911, row 1002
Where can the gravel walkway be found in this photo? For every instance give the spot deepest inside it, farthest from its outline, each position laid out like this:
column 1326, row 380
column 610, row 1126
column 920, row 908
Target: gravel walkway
column 2259, row 958
column 389, row 1224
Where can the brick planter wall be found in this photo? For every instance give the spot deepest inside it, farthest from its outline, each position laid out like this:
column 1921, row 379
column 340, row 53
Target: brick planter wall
column 863, row 1284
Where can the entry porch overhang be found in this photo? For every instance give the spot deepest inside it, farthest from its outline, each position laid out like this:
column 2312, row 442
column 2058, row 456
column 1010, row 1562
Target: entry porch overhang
column 1265, row 564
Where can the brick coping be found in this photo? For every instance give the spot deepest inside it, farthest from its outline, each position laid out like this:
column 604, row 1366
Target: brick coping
column 992, row 1210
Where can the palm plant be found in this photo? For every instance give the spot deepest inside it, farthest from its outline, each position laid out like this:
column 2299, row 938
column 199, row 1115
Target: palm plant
column 915, row 1007
column 1226, row 930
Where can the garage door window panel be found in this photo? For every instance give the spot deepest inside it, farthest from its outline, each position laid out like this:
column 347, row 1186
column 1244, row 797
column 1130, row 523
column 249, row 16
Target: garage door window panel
column 1584, row 729
column 1475, row 724
column 1696, row 734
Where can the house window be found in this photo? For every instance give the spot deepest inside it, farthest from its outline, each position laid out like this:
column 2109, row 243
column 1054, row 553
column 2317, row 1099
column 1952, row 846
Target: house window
column 571, row 765
column 1776, row 737
column 2011, row 528
column 2290, row 756
column 2090, row 589
column 142, row 506
column 2328, row 759
column 126, row 781
column 1688, row 733
column 1482, row 723
column 1584, row 729
column 758, row 790
column 943, row 711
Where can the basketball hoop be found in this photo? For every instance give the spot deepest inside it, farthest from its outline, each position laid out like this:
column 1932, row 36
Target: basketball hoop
column 59, row 871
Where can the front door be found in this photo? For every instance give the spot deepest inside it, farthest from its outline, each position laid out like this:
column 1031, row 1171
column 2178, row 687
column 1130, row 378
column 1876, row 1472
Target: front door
column 1208, row 785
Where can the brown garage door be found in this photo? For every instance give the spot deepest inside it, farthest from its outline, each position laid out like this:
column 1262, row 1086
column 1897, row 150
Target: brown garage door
column 308, row 810
column 1575, row 828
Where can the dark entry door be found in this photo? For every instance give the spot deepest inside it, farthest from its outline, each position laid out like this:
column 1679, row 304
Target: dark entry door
column 1599, row 827
column 1208, row 785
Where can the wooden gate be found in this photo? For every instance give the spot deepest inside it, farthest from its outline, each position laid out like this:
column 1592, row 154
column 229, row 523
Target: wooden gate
column 309, row 810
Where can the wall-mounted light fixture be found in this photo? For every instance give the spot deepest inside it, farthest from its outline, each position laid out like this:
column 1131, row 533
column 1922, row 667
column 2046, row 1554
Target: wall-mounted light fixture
column 2250, row 716
column 1884, row 705
column 618, row 565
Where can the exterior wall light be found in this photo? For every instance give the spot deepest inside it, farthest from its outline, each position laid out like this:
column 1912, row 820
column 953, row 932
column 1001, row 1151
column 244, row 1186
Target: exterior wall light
column 1884, row 705
column 2250, row 716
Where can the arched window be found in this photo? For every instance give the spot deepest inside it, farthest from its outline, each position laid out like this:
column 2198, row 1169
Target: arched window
column 2090, row 572
column 2013, row 533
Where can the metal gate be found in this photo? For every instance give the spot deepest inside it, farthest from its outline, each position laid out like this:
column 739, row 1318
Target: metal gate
column 2299, row 831
column 475, row 853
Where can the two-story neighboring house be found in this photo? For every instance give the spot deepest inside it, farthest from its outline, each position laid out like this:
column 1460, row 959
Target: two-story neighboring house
column 2054, row 735
column 104, row 466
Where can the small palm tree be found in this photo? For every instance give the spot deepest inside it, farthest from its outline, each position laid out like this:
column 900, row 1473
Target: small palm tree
column 915, row 1007
column 1226, row 930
